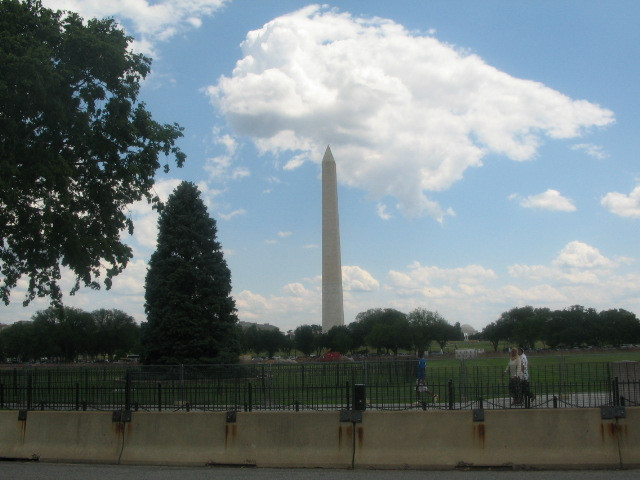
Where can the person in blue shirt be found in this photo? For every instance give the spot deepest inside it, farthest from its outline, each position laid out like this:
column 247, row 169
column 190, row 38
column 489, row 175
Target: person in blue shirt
column 422, row 369
column 422, row 380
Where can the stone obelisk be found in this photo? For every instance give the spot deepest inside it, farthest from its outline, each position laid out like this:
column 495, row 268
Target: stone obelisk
column 332, row 306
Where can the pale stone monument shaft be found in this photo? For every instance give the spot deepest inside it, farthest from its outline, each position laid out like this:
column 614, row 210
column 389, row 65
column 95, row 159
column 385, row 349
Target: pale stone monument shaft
column 332, row 304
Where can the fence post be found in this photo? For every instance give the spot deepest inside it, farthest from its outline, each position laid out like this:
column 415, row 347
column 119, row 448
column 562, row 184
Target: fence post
column 250, row 395
column 616, row 391
column 29, row 390
column 348, row 395
column 77, row 396
column 555, row 401
column 359, row 397
column 1, row 396
column 451, row 394
column 159, row 396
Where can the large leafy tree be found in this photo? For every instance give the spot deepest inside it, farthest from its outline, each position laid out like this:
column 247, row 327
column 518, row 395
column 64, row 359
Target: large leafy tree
column 76, row 147
column 420, row 326
column 304, row 337
column 190, row 312
column 116, row 332
column 339, row 339
column 63, row 332
column 622, row 326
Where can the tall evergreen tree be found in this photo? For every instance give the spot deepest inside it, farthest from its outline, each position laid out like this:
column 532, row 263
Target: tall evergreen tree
column 190, row 312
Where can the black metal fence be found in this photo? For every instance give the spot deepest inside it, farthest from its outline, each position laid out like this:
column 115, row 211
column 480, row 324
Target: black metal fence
column 314, row 386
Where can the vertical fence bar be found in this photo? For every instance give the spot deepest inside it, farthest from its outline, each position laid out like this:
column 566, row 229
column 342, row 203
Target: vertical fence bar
column 347, row 393
column 127, row 390
column 29, row 390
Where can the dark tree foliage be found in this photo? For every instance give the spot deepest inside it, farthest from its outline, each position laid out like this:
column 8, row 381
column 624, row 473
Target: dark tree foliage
column 190, row 312
column 272, row 341
column 264, row 340
column 116, row 333
column 304, row 338
column 620, row 327
column 494, row 333
column 76, row 147
column 62, row 334
column 251, row 341
column 383, row 329
column 421, row 322
column 17, row 341
column 338, row 339
column 571, row 327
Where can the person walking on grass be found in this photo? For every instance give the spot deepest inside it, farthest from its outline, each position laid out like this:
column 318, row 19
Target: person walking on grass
column 526, row 386
column 422, row 369
column 421, row 384
column 514, row 369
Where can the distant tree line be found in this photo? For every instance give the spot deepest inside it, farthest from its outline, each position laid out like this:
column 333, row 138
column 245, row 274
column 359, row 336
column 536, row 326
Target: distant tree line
column 572, row 327
column 66, row 333
column 379, row 330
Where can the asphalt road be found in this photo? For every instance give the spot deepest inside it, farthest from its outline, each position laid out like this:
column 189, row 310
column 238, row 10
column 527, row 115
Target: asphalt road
column 55, row 471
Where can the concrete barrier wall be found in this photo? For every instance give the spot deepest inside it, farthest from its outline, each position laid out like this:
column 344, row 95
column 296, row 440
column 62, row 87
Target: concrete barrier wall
column 89, row 437
column 572, row 438
column 540, row 438
column 292, row 439
column 628, row 433
column 173, row 438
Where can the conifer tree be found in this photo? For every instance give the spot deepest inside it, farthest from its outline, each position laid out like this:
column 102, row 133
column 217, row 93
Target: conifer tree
column 190, row 312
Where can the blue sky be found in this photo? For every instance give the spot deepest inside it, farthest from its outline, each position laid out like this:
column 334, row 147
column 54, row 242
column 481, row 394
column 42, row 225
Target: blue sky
column 487, row 152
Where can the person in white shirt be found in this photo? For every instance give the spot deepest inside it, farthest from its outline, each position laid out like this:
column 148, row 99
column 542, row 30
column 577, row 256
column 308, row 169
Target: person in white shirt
column 526, row 386
column 514, row 369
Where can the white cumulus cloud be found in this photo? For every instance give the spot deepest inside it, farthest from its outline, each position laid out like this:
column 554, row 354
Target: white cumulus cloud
column 623, row 205
column 581, row 255
column 149, row 21
column 405, row 114
column 549, row 200
column 355, row 278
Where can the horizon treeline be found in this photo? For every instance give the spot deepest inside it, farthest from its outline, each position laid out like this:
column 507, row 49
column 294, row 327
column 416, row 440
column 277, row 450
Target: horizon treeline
column 68, row 333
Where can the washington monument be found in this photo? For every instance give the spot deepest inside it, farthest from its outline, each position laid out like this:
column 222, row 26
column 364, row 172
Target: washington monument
column 332, row 307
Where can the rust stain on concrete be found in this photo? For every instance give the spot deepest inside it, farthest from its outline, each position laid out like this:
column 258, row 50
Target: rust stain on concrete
column 479, row 433
column 613, row 430
column 230, row 430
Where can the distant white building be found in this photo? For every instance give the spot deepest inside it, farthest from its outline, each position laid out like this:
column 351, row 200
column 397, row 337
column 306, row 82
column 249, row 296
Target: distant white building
column 259, row 326
column 467, row 331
